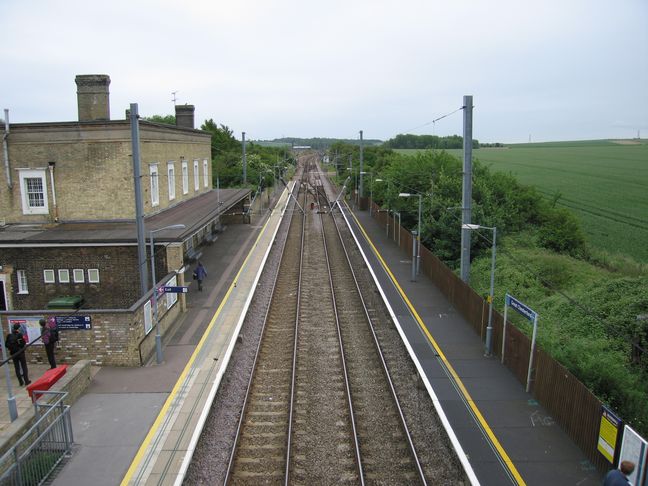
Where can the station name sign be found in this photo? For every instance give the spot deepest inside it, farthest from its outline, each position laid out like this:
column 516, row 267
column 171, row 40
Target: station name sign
column 522, row 309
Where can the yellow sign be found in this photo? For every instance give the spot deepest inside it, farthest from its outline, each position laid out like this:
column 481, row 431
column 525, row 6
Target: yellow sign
column 608, row 433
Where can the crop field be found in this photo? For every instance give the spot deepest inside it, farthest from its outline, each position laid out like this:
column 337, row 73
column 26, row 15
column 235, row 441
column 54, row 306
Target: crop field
column 604, row 182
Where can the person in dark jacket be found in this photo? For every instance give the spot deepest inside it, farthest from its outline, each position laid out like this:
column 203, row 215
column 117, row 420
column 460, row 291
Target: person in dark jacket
column 49, row 339
column 619, row 477
column 199, row 274
column 15, row 343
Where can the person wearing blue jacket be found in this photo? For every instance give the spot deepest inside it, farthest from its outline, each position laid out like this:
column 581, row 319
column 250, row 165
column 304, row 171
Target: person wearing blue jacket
column 199, row 274
column 619, row 477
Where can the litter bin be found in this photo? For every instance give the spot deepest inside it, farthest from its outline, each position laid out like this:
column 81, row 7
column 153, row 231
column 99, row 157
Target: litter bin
column 66, row 302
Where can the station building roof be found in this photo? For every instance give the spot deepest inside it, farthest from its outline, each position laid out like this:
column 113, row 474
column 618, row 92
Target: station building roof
column 193, row 213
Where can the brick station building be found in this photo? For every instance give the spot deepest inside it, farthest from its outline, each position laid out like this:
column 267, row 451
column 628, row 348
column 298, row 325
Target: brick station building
column 67, row 221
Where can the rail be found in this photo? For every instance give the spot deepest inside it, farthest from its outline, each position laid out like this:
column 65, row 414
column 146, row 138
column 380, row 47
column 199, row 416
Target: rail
column 382, row 359
column 247, row 399
column 347, row 384
column 296, row 340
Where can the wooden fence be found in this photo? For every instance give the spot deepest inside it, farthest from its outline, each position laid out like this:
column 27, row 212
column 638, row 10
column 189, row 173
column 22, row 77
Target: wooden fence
column 571, row 404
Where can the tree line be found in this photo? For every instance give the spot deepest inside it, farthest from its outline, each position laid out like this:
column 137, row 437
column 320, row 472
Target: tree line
column 542, row 258
column 410, row 141
column 316, row 143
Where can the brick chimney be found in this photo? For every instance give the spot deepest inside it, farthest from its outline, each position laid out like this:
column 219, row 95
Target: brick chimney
column 93, row 97
column 185, row 116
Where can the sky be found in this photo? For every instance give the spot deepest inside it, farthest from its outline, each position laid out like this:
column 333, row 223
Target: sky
column 537, row 70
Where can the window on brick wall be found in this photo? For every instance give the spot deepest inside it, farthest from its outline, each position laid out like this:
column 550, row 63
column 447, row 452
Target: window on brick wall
column 155, row 187
column 21, row 276
column 205, row 173
column 78, row 275
column 196, row 177
column 93, row 275
column 48, row 276
column 33, row 192
column 185, row 177
column 171, row 177
column 64, row 275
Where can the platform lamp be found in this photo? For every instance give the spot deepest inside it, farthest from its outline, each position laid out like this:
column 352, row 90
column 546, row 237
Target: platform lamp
column 489, row 328
column 11, row 398
column 354, row 173
column 372, row 183
column 370, row 173
column 416, row 260
column 158, row 337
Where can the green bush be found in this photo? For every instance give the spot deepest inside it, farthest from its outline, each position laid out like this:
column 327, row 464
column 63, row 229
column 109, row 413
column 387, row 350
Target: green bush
column 561, row 232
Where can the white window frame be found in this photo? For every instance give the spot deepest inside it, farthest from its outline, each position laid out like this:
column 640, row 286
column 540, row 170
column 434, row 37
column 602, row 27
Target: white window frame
column 78, row 275
column 171, row 177
column 155, row 185
column 21, row 277
column 185, row 177
column 63, row 275
column 196, row 177
column 51, row 279
column 205, row 173
column 91, row 278
column 33, row 174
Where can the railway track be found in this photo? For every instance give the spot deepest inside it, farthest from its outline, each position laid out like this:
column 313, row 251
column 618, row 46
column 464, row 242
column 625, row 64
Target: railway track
column 259, row 451
column 320, row 406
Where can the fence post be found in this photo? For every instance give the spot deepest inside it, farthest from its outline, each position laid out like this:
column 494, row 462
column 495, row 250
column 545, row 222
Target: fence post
column 533, row 342
column 504, row 331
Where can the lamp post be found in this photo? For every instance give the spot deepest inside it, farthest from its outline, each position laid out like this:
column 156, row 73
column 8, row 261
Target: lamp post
column 158, row 337
column 11, row 399
column 489, row 328
column 372, row 183
column 355, row 183
column 370, row 173
column 418, row 232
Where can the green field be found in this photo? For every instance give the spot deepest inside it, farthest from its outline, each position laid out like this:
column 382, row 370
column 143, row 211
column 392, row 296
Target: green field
column 604, row 182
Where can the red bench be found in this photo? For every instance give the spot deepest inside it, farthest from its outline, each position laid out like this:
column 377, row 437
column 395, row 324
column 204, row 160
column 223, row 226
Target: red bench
column 45, row 382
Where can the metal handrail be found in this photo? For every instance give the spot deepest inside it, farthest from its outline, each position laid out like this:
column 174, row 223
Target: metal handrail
column 35, row 455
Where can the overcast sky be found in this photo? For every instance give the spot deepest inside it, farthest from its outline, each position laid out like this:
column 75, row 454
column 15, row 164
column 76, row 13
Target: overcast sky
column 549, row 69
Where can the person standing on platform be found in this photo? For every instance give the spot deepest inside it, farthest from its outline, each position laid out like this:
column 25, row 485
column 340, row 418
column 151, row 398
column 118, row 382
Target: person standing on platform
column 49, row 334
column 15, row 343
column 199, row 274
column 619, row 477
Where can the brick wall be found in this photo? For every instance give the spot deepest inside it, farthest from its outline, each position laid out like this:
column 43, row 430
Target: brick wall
column 116, row 338
column 235, row 214
column 118, row 286
column 93, row 168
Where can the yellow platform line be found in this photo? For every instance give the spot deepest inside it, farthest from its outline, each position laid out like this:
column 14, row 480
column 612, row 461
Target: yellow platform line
column 163, row 411
column 482, row 421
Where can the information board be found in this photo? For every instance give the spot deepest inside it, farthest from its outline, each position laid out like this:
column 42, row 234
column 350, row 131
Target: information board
column 29, row 326
column 73, row 322
column 635, row 448
column 608, row 434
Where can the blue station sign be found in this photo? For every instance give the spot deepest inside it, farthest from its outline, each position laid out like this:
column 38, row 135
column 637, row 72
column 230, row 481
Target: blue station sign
column 73, row 322
column 522, row 309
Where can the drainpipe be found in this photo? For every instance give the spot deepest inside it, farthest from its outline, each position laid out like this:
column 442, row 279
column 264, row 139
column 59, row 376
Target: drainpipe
column 51, row 170
column 5, row 148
